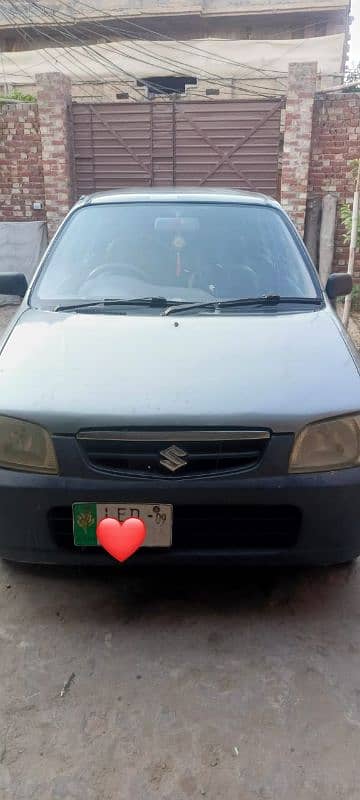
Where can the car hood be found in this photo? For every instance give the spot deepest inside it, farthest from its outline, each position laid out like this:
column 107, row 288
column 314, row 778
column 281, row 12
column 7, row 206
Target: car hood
column 69, row 371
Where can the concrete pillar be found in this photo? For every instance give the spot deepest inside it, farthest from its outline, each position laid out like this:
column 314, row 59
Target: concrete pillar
column 54, row 109
column 297, row 140
column 327, row 236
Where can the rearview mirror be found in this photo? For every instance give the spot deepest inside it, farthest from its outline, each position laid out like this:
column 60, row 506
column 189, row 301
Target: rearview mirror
column 13, row 283
column 338, row 285
column 177, row 224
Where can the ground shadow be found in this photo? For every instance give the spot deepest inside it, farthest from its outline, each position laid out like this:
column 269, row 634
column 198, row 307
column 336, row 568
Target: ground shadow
column 147, row 593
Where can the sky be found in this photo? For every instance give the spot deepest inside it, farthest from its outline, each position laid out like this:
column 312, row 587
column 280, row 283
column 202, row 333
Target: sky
column 354, row 56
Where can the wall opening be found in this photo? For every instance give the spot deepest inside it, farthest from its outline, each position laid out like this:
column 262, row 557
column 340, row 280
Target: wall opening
column 167, row 84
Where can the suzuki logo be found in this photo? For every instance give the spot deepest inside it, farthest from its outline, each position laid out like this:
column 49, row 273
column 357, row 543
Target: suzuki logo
column 173, row 458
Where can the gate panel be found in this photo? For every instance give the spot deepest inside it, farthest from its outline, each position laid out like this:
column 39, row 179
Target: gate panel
column 113, row 146
column 163, row 144
column 231, row 143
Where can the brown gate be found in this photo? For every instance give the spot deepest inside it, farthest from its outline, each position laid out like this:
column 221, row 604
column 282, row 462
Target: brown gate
column 233, row 143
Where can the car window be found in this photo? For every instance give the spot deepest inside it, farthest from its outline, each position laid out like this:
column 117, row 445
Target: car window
column 181, row 251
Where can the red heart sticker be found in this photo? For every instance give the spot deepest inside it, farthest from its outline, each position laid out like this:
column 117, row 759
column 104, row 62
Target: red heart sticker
column 121, row 540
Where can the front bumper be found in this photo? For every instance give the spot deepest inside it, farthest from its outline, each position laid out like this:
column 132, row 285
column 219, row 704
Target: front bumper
column 325, row 507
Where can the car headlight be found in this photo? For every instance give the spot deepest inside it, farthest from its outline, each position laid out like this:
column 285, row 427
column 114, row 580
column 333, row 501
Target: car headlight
column 328, row 445
column 26, row 446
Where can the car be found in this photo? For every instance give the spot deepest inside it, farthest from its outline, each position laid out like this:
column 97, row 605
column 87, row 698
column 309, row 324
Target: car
column 176, row 359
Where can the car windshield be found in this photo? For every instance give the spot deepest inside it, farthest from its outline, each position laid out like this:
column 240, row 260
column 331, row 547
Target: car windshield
column 183, row 252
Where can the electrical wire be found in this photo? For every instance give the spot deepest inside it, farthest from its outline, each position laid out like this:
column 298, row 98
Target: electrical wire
column 51, row 60
column 27, row 75
column 69, row 56
column 208, row 76
column 72, row 58
column 99, row 58
column 153, row 33
column 22, row 33
column 188, row 46
column 113, row 14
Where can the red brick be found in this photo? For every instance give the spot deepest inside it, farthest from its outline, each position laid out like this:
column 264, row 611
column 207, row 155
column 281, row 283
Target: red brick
column 19, row 164
column 330, row 141
column 54, row 97
column 297, row 140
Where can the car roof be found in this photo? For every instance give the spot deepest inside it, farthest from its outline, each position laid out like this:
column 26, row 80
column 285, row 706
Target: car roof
column 177, row 194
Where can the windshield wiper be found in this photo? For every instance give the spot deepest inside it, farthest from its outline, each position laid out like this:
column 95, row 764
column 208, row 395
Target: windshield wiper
column 152, row 302
column 265, row 300
column 174, row 306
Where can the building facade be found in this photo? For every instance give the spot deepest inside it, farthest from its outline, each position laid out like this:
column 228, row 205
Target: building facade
column 207, row 48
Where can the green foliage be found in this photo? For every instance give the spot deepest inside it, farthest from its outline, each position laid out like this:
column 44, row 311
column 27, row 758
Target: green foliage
column 354, row 166
column 17, row 95
column 355, row 298
column 353, row 75
column 346, row 219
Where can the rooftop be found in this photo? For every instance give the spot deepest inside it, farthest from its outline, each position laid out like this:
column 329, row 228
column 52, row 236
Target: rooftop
column 30, row 26
column 177, row 194
column 64, row 10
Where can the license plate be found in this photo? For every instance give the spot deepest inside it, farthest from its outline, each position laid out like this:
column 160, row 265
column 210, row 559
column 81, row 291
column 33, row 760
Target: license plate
column 157, row 519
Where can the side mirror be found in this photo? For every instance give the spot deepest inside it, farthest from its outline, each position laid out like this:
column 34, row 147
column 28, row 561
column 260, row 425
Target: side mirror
column 338, row 285
column 13, row 283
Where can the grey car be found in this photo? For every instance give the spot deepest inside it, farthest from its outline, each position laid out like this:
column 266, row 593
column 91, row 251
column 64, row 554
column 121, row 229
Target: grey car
column 175, row 358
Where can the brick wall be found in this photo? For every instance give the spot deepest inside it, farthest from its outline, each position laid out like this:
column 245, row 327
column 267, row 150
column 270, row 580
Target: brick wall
column 36, row 155
column 336, row 142
column 21, row 174
column 297, row 141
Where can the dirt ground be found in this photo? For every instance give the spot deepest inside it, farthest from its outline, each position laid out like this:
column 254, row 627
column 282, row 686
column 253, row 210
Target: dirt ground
column 6, row 312
column 354, row 329
column 235, row 685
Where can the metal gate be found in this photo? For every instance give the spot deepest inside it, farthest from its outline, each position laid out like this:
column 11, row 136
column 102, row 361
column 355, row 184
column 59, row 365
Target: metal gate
column 233, row 143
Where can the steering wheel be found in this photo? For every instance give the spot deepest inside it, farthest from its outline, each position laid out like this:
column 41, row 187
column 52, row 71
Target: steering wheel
column 245, row 272
column 116, row 269
column 251, row 276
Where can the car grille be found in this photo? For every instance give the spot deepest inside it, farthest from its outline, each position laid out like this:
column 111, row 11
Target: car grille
column 177, row 453
column 207, row 527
